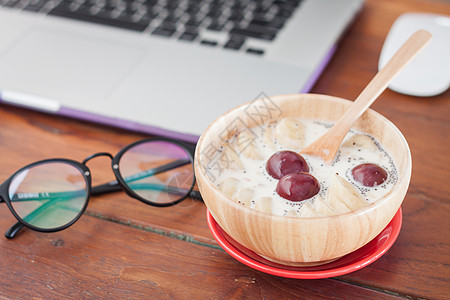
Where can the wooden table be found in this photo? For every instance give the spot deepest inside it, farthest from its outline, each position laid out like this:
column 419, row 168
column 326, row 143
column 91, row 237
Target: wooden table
column 122, row 248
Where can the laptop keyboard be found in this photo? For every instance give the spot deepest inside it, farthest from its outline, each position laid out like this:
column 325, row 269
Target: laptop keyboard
column 213, row 23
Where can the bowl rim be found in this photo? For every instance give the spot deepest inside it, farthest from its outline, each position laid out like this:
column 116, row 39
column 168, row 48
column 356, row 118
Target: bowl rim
column 407, row 171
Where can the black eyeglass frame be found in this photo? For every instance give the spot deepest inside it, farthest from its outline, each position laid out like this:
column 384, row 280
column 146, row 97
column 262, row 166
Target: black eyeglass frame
column 118, row 185
column 4, row 196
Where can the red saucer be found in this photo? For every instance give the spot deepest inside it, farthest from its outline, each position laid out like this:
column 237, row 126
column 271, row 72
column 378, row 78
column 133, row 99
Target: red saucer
column 347, row 264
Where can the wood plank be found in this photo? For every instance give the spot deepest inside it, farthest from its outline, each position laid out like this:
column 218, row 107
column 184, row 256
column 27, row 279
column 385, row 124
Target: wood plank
column 379, row 15
column 100, row 259
column 418, row 262
column 429, row 143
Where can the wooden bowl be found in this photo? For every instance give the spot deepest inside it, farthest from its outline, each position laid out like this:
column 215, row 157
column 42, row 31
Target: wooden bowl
column 291, row 240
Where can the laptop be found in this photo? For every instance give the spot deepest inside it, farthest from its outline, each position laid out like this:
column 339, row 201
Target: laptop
column 163, row 67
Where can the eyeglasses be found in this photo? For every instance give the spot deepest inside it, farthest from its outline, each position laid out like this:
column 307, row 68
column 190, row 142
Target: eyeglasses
column 52, row 194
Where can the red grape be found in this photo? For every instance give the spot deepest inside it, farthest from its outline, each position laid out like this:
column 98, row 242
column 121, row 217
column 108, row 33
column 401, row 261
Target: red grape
column 297, row 186
column 285, row 162
column 369, row 174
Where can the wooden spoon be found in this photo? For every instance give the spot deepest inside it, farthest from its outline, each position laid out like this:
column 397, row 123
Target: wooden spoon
column 328, row 144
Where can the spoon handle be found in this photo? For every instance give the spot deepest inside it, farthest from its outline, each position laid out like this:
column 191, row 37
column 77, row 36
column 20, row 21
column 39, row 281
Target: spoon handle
column 328, row 144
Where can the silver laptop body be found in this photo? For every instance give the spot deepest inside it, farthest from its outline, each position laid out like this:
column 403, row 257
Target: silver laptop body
column 147, row 80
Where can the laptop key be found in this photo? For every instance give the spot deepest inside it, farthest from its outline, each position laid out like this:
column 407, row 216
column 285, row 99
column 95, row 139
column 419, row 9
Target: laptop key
column 35, row 5
column 171, row 18
column 11, row 3
column 161, row 31
column 188, row 36
column 172, row 5
column 275, row 23
column 214, row 13
column 208, row 43
column 235, row 42
column 285, row 12
column 216, row 26
column 63, row 10
column 255, row 51
column 150, row 3
column 167, row 24
column 192, row 9
column 195, row 22
column 236, row 16
column 255, row 32
column 294, row 3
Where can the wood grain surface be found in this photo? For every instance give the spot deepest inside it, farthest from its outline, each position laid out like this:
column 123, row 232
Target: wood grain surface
column 122, row 248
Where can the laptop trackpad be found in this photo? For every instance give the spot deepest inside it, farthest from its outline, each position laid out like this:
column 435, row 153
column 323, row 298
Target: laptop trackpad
column 56, row 65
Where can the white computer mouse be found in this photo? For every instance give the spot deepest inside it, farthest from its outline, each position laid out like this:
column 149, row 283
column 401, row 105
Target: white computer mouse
column 428, row 74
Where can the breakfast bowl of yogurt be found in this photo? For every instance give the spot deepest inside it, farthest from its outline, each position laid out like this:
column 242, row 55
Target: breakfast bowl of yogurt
column 296, row 209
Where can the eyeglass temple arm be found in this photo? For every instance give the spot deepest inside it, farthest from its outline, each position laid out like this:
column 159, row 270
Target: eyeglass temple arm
column 13, row 230
column 194, row 194
column 115, row 187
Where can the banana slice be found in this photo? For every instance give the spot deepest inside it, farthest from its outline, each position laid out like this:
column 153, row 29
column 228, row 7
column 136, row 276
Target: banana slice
column 264, row 204
column 307, row 211
column 338, row 206
column 360, row 141
column 344, row 197
column 349, row 193
column 228, row 186
column 230, row 159
column 244, row 196
column 268, row 136
column 245, row 144
column 322, row 208
column 292, row 213
column 290, row 133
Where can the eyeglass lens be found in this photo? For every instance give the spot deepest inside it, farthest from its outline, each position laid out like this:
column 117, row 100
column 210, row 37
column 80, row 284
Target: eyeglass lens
column 48, row 195
column 158, row 171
